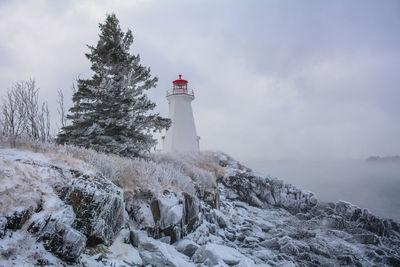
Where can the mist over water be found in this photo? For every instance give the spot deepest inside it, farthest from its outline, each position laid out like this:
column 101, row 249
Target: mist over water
column 375, row 186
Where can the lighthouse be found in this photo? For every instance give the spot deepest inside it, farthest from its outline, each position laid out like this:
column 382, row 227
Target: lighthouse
column 181, row 136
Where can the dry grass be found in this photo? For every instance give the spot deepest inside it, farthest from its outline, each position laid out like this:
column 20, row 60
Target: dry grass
column 179, row 172
column 22, row 186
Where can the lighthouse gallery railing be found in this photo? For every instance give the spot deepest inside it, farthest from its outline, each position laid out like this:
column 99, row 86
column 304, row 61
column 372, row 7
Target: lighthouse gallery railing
column 180, row 92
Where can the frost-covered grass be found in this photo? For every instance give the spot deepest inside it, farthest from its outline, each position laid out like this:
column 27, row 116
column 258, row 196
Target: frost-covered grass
column 178, row 172
column 23, row 185
column 26, row 186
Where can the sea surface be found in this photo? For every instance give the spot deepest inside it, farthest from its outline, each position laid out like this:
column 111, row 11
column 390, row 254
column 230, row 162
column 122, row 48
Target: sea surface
column 371, row 185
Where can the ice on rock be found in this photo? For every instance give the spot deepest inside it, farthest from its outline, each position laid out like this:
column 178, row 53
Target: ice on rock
column 22, row 249
column 122, row 253
column 187, row 247
column 173, row 216
column 264, row 254
column 246, row 219
column 191, row 217
column 159, row 254
column 86, row 204
column 207, row 257
column 98, row 205
column 60, row 239
column 214, row 253
column 229, row 255
column 138, row 207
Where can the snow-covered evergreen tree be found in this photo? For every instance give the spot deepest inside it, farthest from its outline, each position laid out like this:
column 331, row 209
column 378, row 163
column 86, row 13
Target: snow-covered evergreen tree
column 111, row 111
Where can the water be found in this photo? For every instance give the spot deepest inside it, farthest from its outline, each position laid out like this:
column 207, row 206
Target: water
column 375, row 186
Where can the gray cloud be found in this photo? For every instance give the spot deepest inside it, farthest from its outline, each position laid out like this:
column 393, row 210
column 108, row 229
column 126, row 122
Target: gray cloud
column 273, row 79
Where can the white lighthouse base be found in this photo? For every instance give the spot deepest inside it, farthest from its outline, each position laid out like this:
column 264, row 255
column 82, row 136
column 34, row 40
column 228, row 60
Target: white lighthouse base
column 181, row 136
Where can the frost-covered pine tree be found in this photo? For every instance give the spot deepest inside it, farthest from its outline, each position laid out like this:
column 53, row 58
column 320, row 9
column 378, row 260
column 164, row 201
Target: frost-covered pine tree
column 111, row 111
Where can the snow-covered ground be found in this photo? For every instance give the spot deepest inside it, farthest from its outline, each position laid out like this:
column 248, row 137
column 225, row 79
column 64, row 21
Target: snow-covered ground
column 25, row 186
column 57, row 209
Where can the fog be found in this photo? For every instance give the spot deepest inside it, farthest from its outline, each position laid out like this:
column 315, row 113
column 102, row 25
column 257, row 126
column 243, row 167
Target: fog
column 375, row 186
column 273, row 79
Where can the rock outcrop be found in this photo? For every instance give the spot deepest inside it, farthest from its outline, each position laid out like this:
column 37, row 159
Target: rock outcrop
column 87, row 210
column 167, row 215
column 262, row 191
column 60, row 238
column 246, row 219
column 159, row 254
column 98, row 206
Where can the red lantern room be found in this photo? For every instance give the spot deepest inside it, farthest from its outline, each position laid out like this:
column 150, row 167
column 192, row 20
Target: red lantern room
column 180, row 83
column 180, row 88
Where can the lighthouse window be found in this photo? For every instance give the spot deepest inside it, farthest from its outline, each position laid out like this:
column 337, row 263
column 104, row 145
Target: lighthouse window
column 180, row 86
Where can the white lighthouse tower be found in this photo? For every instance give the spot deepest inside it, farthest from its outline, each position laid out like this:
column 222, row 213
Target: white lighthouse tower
column 181, row 136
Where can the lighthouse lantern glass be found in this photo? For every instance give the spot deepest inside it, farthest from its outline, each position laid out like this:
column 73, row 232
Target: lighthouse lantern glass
column 180, row 86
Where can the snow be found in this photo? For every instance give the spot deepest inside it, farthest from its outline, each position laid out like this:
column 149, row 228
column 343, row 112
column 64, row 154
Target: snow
column 24, row 185
column 239, row 232
column 170, row 210
column 157, row 253
column 229, row 255
column 14, row 154
column 118, row 254
column 21, row 249
column 185, row 244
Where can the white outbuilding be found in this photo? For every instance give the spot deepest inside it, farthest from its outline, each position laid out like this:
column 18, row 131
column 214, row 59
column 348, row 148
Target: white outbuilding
column 181, row 136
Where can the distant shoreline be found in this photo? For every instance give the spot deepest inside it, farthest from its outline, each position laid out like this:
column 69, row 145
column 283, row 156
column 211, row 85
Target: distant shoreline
column 392, row 159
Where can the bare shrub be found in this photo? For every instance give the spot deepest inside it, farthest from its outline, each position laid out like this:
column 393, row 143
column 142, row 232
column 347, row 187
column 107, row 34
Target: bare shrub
column 61, row 108
column 22, row 115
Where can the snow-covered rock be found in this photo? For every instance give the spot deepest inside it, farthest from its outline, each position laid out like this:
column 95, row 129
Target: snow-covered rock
column 169, row 210
column 191, row 217
column 187, row 247
column 168, row 215
column 262, row 191
column 98, row 205
column 67, row 207
column 213, row 253
column 62, row 240
column 138, row 207
column 157, row 253
column 245, row 219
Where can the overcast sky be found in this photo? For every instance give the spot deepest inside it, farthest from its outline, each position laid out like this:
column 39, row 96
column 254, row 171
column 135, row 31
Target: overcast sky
column 273, row 79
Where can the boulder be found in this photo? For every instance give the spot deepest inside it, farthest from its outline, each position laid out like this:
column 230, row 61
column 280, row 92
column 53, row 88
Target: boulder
column 187, row 247
column 98, row 205
column 205, row 257
column 62, row 240
column 271, row 243
column 367, row 239
column 191, row 213
column 264, row 254
column 14, row 221
column 56, row 232
column 17, row 219
column 122, row 253
column 210, row 196
column 261, row 191
column 346, row 216
column 167, row 213
column 173, row 216
column 213, row 253
column 138, row 207
column 156, row 253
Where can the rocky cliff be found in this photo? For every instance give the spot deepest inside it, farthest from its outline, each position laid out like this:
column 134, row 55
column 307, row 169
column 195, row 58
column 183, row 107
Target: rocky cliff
column 52, row 214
